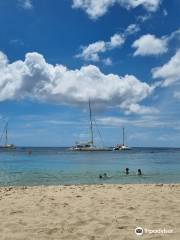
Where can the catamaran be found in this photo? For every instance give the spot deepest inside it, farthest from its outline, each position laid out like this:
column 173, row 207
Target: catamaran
column 5, row 134
column 89, row 146
column 122, row 147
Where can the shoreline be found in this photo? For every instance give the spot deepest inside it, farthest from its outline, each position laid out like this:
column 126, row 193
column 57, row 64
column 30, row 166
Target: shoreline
column 90, row 184
column 100, row 211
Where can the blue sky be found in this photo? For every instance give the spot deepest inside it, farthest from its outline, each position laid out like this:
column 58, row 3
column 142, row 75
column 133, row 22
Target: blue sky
column 123, row 54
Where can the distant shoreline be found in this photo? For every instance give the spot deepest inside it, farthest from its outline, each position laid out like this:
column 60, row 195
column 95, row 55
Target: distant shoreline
column 107, row 146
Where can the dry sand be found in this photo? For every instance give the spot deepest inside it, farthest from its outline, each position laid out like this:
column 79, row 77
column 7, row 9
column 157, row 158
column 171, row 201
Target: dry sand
column 106, row 212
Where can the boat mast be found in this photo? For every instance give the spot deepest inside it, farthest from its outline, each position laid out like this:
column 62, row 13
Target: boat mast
column 91, row 125
column 123, row 136
column 6, row 138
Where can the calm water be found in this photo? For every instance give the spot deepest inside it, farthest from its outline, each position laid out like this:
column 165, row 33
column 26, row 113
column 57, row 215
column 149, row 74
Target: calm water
column 47, row 166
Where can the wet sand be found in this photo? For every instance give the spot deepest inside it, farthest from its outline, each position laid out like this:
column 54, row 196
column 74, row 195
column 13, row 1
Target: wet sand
column 102, row 212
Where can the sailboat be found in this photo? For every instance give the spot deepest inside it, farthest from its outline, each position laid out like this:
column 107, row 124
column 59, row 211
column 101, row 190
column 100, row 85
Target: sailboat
column 5, row 133
column 122, row 147
column 89, row 146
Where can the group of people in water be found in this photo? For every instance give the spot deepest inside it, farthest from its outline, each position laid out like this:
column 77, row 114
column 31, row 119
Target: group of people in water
column 127, row 172
column 139, row 172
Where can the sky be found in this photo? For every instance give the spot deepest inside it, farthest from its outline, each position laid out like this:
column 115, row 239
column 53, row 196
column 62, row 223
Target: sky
column 123, row 55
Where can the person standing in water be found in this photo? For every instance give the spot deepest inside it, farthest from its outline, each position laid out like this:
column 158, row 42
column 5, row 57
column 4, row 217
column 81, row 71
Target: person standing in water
column 127, row 171
column 139, row 173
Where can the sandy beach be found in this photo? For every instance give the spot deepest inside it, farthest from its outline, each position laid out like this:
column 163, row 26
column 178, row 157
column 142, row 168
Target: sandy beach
column 107, row 212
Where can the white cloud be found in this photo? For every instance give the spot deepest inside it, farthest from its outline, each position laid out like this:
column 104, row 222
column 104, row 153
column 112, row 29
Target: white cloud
column 92, row 51
column 169, row 72
column 144, row 121
column 174, row 35
column 116, row 41
column 165, row 13
column 107, row 61
column 132, row 29
column 144, row 18
column 149, row 5
column 150, row 45
column 26, row 4
column 97, row 8
column 176, row 95
column 139, row 109
column 36, row 79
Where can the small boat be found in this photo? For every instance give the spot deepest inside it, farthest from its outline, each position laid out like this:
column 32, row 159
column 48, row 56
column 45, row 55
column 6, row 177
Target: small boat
column 5, row 134
column 89, row 146
column 122, row 147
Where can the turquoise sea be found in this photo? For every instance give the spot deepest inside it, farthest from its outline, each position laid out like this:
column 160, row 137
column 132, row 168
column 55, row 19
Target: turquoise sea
column 51, row 166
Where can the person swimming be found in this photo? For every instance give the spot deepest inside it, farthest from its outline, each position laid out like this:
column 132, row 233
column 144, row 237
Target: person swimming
column 139, row 173
column 104, row 176
column 127, row 171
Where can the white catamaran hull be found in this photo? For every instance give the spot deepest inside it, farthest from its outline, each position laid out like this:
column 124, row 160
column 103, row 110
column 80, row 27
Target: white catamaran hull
column 122, row 148
column 89, row 149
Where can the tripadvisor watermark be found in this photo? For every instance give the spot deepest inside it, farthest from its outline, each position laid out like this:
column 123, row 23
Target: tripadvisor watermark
column 139, row 231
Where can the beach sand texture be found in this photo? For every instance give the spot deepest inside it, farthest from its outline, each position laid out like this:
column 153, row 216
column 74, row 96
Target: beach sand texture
column 102, row 212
